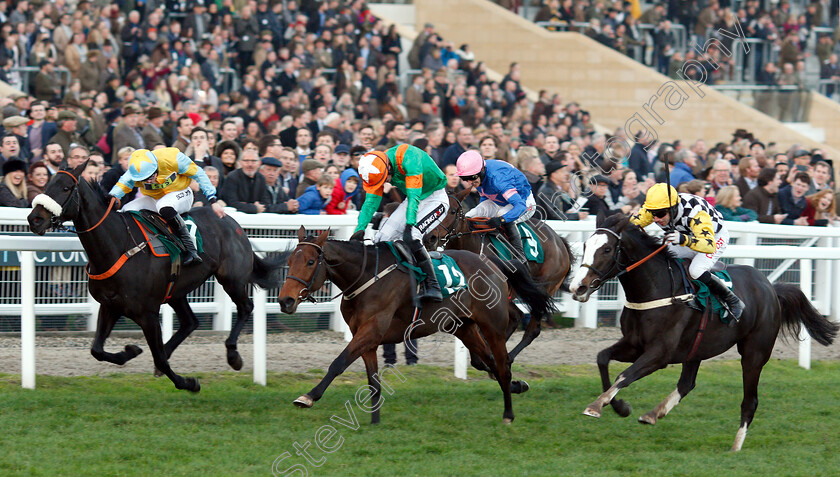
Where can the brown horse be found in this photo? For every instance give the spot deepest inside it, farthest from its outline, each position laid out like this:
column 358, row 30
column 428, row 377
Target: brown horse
column 378, row 307
column 454, row 234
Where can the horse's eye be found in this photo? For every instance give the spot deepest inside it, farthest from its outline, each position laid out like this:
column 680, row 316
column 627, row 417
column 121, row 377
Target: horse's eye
column 311, row 262
column 66, row 189
column 607, row 250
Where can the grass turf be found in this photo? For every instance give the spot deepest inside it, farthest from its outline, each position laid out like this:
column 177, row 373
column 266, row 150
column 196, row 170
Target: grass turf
column 433, row 424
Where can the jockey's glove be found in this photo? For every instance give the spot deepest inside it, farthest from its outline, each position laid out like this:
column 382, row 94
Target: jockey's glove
column 496, row 222
column 676, row 238
column 407, row 233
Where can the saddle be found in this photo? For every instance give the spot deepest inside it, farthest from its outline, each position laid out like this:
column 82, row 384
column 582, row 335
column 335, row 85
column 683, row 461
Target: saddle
column 702, row 297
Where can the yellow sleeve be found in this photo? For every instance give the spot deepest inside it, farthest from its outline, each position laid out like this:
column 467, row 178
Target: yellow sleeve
column 703, row 239
column 643, row 219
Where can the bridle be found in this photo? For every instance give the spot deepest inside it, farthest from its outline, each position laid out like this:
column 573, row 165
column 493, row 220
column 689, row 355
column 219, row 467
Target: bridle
column 321, row 263
column 617, row 269
column 56, row 222
column 452, row 231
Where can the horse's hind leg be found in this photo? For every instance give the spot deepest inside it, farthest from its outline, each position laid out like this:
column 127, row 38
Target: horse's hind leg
column 372, row 368
column 105, row 323
column 650, row 361
column 151, row 330
column 753, row 359
column 684, row 386
column 494, row 341
column 238, row 292
column 187, row 323
column 620, row 351
column 532, row 330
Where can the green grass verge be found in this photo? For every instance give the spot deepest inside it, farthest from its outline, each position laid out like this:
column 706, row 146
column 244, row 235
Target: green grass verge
column 433, row 424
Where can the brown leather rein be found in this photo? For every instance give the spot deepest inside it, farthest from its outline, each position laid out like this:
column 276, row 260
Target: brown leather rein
column 108, row 211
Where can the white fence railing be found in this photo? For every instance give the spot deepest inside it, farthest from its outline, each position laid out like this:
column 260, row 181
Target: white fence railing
column 815, row 253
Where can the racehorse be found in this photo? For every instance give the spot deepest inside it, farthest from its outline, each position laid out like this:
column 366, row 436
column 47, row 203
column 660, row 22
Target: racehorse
column 668, row 333
column 378, row 308
column 454, row 234
column 127, row 282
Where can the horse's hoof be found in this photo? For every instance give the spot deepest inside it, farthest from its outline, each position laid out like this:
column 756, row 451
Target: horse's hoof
column 304, row 401
column 234, row 359
column 525, row 386
column 158, row 373
column 591, row 412
column 507, row 420
column 621, row 408
column 131, row 351
column 647, row 419
column 193, row 385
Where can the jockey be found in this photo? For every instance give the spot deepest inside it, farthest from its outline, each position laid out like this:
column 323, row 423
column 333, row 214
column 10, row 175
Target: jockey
column 163, row 177
column 505, row 193
column 416, row 175
column 699, row 232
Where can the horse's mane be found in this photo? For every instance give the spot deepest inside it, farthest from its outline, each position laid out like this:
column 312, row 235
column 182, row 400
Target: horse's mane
column 97, row 192
column 621, row 223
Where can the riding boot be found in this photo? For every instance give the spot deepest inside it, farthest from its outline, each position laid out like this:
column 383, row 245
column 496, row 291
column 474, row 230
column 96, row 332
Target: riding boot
column 733, row 303
column 515, row 240
column 190, row 255
column 421, row 257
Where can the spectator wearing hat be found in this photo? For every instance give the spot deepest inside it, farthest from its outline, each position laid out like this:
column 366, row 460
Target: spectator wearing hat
column 96, row 118
column 126, row 133
column 17, row 126
column 39, row 130
column 278, row 200
column 228, row 152
column 557, row 198
column 152, row 133
column 66, row 134
column 46, row 86
column 13, row 186
column 341, row 157
column 311, row 171
column 597, row 202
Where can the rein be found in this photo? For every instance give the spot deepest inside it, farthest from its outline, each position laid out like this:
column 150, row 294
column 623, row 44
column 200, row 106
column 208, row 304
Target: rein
column 108, row 211
column 604, row 276
column 322, row 261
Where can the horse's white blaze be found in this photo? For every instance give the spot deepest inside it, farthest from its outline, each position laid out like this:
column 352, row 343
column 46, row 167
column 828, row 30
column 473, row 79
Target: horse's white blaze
column 739, row 438
column 591, row 246
column 48, row 203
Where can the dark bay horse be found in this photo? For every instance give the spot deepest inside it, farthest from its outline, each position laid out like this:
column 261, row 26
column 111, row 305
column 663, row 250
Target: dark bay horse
column 382, row 312
column 669, row 333
column 137, row 289
column 454, row 234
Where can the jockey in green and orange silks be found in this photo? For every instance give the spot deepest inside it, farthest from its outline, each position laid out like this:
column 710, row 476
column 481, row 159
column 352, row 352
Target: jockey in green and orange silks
column 415, row 174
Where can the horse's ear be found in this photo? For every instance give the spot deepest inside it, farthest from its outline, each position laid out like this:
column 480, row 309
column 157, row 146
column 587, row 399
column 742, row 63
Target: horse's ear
column 77, row 172
column 322, row 239
column 463, row 194
column 600, row 218
column 301, row 233
column 358, row 236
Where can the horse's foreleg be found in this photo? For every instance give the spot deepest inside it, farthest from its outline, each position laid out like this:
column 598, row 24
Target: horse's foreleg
column 648, row 362
column 366, row 338
column 684, row 386
column 238, row 292
column 620, row 351
column 187, row 323
column 151, row 330
column 372, row 368
column 104, row 324
column 532, row 330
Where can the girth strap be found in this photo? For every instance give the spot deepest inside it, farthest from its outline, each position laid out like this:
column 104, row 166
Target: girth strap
column 367, row 284
column 118, row 265
column 649, row 305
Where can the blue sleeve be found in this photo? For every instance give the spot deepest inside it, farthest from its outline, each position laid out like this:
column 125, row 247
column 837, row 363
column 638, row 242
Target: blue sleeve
column 189, row 168
column 518, row 207
column 123, row 186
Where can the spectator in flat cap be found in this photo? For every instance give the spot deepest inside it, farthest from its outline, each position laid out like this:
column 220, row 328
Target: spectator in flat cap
column 17, row 126
column 126, row 134
column 597, row 202
column 13, row 187
column 152, row 133
column 66, row 134
column 278, row 200
column 311, row 170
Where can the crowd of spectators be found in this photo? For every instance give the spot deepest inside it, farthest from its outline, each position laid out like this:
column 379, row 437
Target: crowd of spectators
column 289, row 140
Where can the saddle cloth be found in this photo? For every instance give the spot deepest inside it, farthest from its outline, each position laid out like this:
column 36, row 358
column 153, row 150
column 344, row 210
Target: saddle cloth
column 448, row 273
column 161, row 240
column 530, row 244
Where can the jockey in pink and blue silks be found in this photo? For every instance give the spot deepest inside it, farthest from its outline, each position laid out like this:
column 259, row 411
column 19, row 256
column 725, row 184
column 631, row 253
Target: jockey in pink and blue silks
column 163, row 177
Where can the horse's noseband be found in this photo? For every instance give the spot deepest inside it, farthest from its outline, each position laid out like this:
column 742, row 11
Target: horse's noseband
column 616, row 263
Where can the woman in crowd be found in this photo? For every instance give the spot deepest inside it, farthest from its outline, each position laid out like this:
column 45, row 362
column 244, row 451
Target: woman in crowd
column 631, row 189
column 13, row 187
column 37, row 180
column 820, row 209
column 728, row 203
column 228, row 152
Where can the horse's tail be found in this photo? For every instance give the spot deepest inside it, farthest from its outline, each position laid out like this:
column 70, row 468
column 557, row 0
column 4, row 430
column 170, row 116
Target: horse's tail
column 797, row 310
column 268, row 272
column 540, row 302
